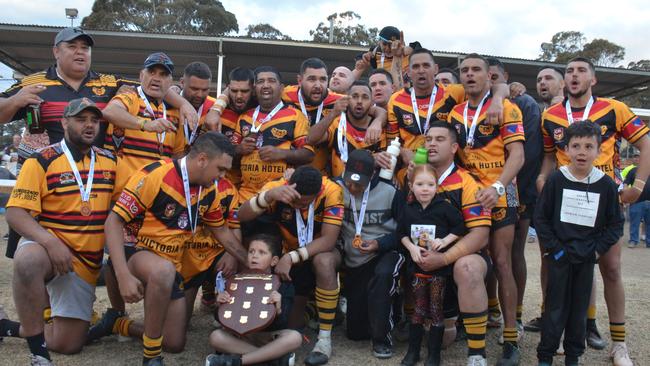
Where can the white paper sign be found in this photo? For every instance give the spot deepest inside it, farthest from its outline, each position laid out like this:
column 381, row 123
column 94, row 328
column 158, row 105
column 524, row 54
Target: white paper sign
column 579, row 207
column 421, row 235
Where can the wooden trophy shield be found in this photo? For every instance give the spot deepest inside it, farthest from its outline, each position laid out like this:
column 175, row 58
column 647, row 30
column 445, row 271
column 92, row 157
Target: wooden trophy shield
column 250, row 309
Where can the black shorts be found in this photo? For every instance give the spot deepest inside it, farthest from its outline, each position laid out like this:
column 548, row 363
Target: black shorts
column 526, row 211
column 503, row 216
column 178, row 291
column 200, row 278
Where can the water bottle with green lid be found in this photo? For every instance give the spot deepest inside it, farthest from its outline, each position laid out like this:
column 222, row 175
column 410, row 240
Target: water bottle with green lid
column 421, row 156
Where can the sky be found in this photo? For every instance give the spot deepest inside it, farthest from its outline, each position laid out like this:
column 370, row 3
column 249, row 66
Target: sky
column 510, row 28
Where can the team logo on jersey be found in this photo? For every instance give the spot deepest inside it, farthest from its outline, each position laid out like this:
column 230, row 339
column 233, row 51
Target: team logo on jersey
column 499, row 214
column 66, row 178
column 514, row 114
column 603, row 130
column 486, row 129
column 202, row 209
column 278, row 133
column 139, row 186
column 99, row 90
column 245, row 130
column 182, row 220
column 408, row 119
column 286, row 214
column 558, row 134
column 133, row 208
column 107, row 175
column 170, row 209
column 118, row 137
column 442, row 116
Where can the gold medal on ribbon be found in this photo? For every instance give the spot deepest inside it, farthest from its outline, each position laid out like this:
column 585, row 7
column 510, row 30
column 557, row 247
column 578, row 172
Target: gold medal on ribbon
column 85, row 208
column 357, row 241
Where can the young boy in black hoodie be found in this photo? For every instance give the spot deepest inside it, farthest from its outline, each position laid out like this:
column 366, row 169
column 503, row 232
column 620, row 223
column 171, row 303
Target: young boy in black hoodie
column 578, row 219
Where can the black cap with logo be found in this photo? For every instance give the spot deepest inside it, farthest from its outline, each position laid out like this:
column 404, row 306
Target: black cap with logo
column 360, row 167
column 159, row 58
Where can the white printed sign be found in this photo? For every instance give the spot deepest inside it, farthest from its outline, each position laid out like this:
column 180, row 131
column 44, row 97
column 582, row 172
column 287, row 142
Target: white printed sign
column 579, row 207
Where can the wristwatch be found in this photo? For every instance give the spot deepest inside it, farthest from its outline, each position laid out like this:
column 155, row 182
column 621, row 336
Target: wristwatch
column 501, row 189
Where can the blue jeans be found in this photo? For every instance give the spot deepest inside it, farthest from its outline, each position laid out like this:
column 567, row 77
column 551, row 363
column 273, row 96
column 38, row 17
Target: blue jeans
column 639, row 211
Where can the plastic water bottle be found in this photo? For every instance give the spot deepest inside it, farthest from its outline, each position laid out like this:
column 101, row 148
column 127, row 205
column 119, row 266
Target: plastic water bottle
column 393, row 150
column 421, row 156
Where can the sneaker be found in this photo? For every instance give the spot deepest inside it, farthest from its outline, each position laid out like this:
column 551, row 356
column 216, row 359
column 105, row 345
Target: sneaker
column 560, row 348
column 476, row 360
column 534, row 325
column 632, row 245
column 619, row 354
column 287, row 360
column 223, row 360
column 381, row 350
column 3, row 315
column 321, row 353
column 39, row 361
column 495, row 320
column 104, row 327
column 594, row 340
column 510, row 356
column 158, row 361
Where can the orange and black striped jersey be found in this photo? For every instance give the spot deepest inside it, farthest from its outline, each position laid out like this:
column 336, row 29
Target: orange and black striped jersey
column 460, row 188
column 328, row 209
column 228, row 121
column 47, row 187
column 615, row 119
column 290, row 95
column 134, row 148
column 486, row 158
column 402, row 122
column 354, row 136
column 155, row 196
column 99, row 88
column 202, row 249
column 286, row 130
column 387, row 62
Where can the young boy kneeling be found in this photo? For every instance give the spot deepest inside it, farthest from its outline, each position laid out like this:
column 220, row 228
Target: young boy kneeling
column 274, row 342
column 578, row 219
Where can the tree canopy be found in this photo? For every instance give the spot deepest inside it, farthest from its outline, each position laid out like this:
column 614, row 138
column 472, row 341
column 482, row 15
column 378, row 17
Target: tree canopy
column 347, row 30
column 169, row 16
column 569, row 44
column 265, row 31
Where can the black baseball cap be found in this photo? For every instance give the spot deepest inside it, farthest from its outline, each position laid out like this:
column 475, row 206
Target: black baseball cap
column 70, row 33
column 159, row 58
column 360, row 167
column 389, row 33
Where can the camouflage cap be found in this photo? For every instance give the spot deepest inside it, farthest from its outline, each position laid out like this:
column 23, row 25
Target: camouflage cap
column 77, row 106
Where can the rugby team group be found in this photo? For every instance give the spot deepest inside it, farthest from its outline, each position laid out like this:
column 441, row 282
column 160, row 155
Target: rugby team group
column 405, row 189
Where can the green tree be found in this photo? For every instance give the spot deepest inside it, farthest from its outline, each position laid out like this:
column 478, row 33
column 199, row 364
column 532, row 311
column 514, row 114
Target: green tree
column 638, row 96
column 265, row 31
column 569, row 44
column 168, row 16
column 347, row 31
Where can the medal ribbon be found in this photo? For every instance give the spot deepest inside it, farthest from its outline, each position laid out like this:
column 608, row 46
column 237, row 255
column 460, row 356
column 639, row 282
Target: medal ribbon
column 84, row 191
column 358, row 222
column 304, row 109
column 255, row 128
column 477, row 114
column 416, row 110
column 305, row 235
column 341, row 137
column 446, row 173
column 585, row 114
column 188, row 196
column 190, row 137
column 147, row 105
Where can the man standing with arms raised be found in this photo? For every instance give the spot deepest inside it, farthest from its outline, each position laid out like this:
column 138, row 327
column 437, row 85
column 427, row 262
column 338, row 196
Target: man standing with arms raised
column 494, row 154
column 615, row 119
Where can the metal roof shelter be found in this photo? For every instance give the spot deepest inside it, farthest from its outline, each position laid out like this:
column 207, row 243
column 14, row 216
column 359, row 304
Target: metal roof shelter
column 27, row 48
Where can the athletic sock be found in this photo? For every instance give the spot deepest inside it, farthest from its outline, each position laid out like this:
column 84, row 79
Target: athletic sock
column 591, row 312
column 9, row 328
column 326, row 302
column 493, row 306
column 510, row 335
column 121, row 326
column 520, row 310
column 37, row 345
column 475, row 327
column 152, row 347
column 617, row 331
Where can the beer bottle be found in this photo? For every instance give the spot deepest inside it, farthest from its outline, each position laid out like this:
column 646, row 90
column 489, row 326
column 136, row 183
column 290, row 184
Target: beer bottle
column 33, row 119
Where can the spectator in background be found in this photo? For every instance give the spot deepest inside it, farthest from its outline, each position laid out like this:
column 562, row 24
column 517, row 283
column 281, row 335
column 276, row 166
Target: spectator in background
column 639, row 210
column 10, row 155
column 446, row 76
